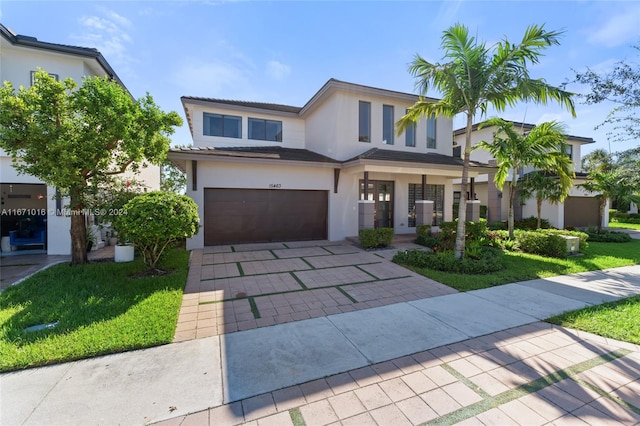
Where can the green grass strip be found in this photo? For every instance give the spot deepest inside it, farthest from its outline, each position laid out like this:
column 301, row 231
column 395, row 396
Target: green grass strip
column 607, row 395
column 310, row 265
column 526, row 389
column 367, row 272
column 347, row 295
column 240, row 270
column 233, row 249
column 298, row 280
column 17, row 264
column 254, row 308
column 274, row 255
column 286, row 246
column 296, row 417
column 477, row 389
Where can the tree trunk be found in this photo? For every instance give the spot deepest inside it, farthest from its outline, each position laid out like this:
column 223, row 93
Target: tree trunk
column 462, row 207
column 78, row 232
column 512, row 195
column 539, row 205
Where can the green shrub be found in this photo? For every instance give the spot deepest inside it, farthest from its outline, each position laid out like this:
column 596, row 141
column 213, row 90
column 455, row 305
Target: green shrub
column 424, row 230
column 156, row 220
column 475, row 231
column 489, row 260
column 606, row 236
column 531, row 223
column 544, row 244
column 375, row 238
column 497, row 225
column 583, row 236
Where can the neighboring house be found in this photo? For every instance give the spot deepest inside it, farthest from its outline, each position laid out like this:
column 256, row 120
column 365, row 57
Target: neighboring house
column 270, row 172
column 579, row 209
column 20, row 57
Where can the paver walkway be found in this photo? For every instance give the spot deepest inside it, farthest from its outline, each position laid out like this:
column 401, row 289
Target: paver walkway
column 535, row 374
column 241, row 287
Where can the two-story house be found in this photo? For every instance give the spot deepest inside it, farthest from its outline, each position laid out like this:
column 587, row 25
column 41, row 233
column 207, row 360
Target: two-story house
column 270, row 172
column 578, row 210
column 26, row 201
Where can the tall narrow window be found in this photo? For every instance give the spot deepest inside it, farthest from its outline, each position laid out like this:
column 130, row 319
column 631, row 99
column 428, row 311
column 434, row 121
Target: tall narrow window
column 364, row 122
column 229, row 126
column 410, row 134
column 387, row 124
column 568, row 149
column 431, row 132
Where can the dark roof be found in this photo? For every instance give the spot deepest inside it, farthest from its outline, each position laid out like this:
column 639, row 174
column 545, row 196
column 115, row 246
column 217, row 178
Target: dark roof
column 525, row 126
column 273, row 152
column 249, row 104
column 411, row 157
column 32, row 42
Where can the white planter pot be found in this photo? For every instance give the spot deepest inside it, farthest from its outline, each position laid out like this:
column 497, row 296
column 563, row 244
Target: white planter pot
column 123, row 253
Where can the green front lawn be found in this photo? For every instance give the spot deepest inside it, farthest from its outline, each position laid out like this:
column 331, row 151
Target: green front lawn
column 522, row 266
column 635, row 226
column 99, row 309
column 617, row 320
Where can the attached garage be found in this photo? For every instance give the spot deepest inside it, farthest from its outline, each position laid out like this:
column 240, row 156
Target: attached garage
column 581, row 212
column 262, row 215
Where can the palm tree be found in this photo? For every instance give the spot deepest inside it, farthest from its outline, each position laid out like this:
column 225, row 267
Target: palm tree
column 477, row 77
column 609, row 180
column 542, row 186
column 542, row 148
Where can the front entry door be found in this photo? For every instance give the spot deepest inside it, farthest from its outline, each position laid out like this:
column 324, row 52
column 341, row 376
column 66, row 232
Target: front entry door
column 382, row 193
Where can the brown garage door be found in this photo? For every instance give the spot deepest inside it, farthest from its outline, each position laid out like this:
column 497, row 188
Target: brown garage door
column 581, row 211
column 261, row 215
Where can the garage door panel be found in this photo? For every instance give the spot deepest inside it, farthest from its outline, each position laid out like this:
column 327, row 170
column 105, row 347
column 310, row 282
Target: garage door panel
column 255, row 215
column 581, row 212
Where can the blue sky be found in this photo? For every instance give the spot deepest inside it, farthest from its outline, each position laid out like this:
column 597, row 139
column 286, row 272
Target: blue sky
column 284, row 51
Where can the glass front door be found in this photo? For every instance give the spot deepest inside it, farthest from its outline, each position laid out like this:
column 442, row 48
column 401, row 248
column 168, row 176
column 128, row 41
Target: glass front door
column 382, row 193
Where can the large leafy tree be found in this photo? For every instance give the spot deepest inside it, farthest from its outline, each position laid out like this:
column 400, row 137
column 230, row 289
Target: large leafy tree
column 78, row 138
column 620, row 86
column 542, row 186
column 476, row 77
column 542, row 148
column 612, row 177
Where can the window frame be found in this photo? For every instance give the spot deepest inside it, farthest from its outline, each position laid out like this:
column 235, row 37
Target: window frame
column 364, row 137
column 223, row 117
column 410, row 134
column 431, row 132
column 385, row 109
column 265, row 122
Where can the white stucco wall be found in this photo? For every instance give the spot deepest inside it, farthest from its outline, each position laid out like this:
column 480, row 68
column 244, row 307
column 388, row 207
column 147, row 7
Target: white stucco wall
column 293, row 128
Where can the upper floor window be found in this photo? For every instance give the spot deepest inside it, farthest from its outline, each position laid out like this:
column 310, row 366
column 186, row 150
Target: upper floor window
column 387, row 124
column 265, row 130
column 229, row 126
column 33, row 77
column 410, row 134
column 364, row 121
column 431, row 132
column 568, row 149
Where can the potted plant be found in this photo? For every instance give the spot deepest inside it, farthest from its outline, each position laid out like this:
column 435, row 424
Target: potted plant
column 91, row 239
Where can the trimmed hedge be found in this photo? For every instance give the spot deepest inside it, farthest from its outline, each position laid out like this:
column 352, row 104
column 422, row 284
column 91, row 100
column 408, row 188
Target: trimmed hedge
column 544, row 244
column 375, row 238
column 583, row 236
column 606, row 236
column 490, row 260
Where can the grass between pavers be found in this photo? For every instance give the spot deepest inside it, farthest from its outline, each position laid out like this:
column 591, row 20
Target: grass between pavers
column 523, row 266
column 635, row 226
column 99, row 308
column 618, row 320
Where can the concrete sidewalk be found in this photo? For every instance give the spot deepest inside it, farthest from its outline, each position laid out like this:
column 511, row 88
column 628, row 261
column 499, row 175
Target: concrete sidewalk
column 172, row 381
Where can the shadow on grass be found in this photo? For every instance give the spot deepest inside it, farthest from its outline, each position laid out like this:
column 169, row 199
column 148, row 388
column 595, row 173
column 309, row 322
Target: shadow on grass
column 99, row 308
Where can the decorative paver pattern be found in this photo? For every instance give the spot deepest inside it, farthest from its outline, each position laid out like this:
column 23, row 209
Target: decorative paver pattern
column 467, row 383
column 274, row 283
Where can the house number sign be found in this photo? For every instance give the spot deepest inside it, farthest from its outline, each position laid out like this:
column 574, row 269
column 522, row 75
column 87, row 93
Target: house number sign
column 275, row 185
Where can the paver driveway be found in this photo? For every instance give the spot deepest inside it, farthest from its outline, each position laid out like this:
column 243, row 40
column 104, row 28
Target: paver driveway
column 239, row 287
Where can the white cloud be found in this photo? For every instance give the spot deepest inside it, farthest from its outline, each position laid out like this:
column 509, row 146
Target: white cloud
column 277, row 70
column 215, row 79
column 106, row 31
column 619, row 29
